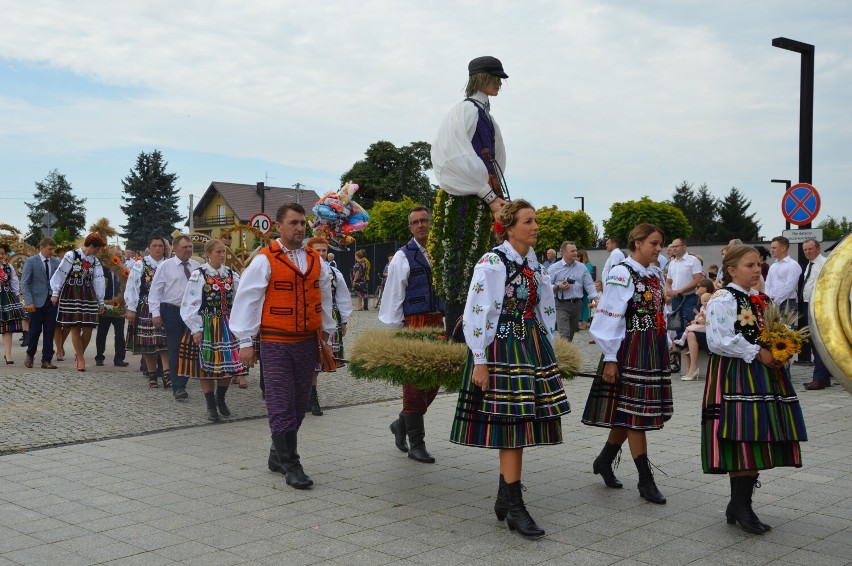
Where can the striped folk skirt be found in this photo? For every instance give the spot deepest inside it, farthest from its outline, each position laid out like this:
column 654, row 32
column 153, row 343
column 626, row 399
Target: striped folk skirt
column 750, row 418
column 78, row 304
column 11, row 313
column 142, row 336
column 641, row 397
column 524, row 401
column 218, row 355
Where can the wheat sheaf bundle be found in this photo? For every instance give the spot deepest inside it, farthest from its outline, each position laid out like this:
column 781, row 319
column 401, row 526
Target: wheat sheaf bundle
column 415, row 357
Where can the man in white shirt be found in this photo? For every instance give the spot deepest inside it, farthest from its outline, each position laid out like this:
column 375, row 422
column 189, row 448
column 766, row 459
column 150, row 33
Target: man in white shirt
column 684, row 273
column 409, row 299
column 821, row 377
column 782, row 282
column 570, row 278
column 164, row 300
column 616, row 256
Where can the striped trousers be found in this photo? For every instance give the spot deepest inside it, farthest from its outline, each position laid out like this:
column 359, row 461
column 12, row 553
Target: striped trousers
column 288, row 372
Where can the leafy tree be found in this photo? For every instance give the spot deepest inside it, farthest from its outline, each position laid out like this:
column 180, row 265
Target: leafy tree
column 54, row 195
column 627, row 215
column 833, row 229
column 734, row 220
column 555, row 226
column 390, row 173
column 700, row 208
column 151, row 200
column 389, row 221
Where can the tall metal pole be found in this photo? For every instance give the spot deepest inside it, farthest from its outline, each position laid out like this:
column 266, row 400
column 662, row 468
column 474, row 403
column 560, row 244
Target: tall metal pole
column 261, row 190
column 191, row 214
column 582, row 203
column 787, row 185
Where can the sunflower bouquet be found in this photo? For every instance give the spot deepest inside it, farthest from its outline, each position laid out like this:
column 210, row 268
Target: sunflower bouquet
column 779, row 335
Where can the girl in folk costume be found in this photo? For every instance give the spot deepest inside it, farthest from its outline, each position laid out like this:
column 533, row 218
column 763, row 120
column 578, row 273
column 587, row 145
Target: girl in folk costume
column 77, row 287
column 633, row 390
column 11, row 309
column 511, row 395
column 208, row 351
column 341, row 310
column 142, row 336
column 750, row 419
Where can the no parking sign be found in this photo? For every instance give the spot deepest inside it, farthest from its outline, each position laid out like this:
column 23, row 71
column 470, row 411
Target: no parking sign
column 800, row 204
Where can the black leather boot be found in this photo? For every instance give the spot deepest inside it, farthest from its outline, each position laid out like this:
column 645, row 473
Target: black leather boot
column 647, row 486
column 286, row 446
column 274, row 463
column 739, row 509
column 501, row 506
column 416, row 444
column 397, row 427
column 220, row 401
column 603, row 465
column 25, row 338
column 314, row 404
column 517, row 516
column 212, row 414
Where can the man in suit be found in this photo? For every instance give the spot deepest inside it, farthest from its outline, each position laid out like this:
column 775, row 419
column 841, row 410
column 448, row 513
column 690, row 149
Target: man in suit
column 112, row 291
column 35, row 283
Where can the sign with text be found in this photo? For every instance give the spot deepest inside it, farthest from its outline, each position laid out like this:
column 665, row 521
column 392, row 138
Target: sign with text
column 799, row 236
column 262, row 222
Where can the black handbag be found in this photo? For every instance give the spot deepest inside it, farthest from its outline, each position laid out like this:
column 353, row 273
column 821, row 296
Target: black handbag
column 674, row 321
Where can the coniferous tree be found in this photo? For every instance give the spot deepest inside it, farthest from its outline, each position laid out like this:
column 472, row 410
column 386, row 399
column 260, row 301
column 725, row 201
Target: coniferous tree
column 54, row 195
column 151, row 200
column 684, row 199
column 734, row 220
column 705, row 225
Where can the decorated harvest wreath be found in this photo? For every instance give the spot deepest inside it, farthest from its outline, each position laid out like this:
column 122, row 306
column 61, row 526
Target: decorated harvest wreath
column 423, row 357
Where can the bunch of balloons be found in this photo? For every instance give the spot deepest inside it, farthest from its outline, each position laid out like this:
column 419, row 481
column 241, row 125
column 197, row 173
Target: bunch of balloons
column 337, row 216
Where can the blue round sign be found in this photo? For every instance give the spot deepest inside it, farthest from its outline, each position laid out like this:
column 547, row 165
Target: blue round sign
column 800, row 204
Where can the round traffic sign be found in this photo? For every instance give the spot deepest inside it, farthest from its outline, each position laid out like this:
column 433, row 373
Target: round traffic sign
column 800, row 204
column 262, row 222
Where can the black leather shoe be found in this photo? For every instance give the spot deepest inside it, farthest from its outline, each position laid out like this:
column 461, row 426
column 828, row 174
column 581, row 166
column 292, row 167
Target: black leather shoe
column 815, row 385
column 803, row 363
column 181, row 394
column 121, row 364
column 99, row 362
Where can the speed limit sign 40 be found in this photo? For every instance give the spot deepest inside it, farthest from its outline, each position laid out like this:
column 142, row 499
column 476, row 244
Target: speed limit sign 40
column 262, row 222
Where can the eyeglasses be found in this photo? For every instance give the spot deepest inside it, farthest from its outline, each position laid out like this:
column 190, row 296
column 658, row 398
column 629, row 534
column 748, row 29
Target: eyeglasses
column 420, row 221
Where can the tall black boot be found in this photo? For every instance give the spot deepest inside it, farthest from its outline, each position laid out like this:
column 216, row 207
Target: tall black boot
column 314, row 404
column 25, row 336
column 603, row 465
column 416, row 444
column 647, row 486
column 501, row 506
column 220, row 400
column 397, row 427
column 286, row 446
column 739, row 509
column 212, row 414
column 517, row 516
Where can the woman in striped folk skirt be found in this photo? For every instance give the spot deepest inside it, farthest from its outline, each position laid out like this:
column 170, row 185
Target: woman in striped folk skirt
column 208, row 351
column 77, row 287
column 632, row 392
column 142, row 336
column 511, row 395
column 11, row 309
column 750, row 419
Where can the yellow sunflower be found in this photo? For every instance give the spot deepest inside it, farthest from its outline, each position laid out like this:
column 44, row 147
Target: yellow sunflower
column 784, row 348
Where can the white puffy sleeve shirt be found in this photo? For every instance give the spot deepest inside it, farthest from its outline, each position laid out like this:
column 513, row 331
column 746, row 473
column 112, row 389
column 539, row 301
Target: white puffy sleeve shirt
column 134, row 282
column 342, row 297
column 722, row 338
column 57, row 280
column 485, row 300
column 393, row 294
column 459, row 170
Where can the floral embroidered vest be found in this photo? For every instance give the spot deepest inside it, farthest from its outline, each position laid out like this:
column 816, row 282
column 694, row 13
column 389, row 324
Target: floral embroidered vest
column 519, row 298
column 217, row 294
column 750, row 309
column 82, row 271
column 148, row 273
column 6, row 278
column 645, row 307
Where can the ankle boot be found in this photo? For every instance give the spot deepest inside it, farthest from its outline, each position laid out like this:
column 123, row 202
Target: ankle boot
column 212, row 414
column 739, row 509
column 647, row 486
column 397, row 427
column 417, row 445
column 25, row 338
column 314, row 404
column 603, row 465
column 286, row 445
column 517, row 516
column 501, row 506
column 220, row 401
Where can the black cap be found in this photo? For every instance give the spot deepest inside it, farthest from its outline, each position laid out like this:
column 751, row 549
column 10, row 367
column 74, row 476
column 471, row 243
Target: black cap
column 487, row 64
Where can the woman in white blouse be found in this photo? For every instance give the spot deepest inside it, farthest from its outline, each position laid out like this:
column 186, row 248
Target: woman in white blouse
column 751, row 418
column 511, row 394
column 208, row 351
column 77, row 287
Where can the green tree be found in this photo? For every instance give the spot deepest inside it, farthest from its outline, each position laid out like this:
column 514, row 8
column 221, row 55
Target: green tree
column 833, row 229
column 151, row 200
column 700, row 208
column 627, row 215
column 55, row 195
column 390, row 173
column 556, row 226
column 734, row 220
column 389, row 221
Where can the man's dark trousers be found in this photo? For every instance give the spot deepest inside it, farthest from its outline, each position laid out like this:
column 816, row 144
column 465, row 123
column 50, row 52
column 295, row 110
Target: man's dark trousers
column 104, row 323
column 42, row 324
column 174, row 327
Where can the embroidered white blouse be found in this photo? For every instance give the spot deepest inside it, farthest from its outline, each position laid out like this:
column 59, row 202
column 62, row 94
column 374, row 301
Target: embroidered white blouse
column 485, row 299
column 134, row 281
column 342, row 296
column 192, row 295
column 722, row 338
column 608, row 324
column 57, row 280
column 14, row 284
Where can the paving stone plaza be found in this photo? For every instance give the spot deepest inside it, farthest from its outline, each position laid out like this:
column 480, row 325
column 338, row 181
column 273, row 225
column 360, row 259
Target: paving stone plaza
column 95, row 468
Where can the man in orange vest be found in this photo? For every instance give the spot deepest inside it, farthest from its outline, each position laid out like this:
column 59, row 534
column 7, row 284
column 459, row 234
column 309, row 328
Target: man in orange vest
column 285, row 293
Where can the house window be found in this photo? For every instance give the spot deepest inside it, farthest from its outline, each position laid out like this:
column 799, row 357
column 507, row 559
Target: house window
column 222, row 214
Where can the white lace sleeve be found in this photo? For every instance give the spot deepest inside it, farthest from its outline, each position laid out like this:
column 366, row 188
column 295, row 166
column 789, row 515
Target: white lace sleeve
column 608, row 324
column 484, row 301
column 722, row 337
column 57, row 280
column 191, row 303
column 546, row 308
column 342, row 296
column 131, row 290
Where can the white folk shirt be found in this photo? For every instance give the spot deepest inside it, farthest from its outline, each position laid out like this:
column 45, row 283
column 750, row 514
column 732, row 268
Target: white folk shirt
column 810, row 282
column 57, row 280
column 615, row 257
column 485, row 300
column 722, row 337
column 169, row 284
column 192, row 296
column 393, row 295
column 782, row 282
column 248, row 304
column 682, row 271
column 608, row 324
column 342, row 296
column 134, row 281
column 459, row 170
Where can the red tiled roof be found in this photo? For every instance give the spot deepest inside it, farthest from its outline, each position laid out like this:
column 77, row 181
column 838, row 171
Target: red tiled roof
column 245, row 202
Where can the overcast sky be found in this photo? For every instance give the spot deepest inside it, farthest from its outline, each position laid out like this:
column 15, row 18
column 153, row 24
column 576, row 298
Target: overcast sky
column 606, row 100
